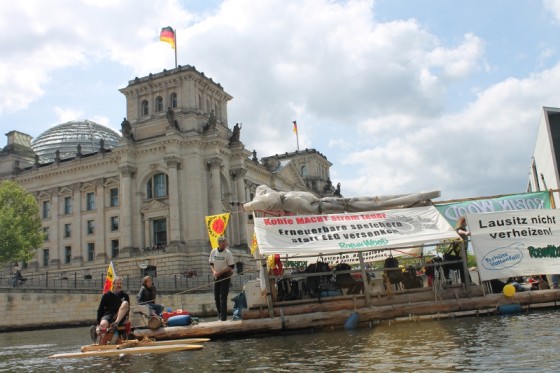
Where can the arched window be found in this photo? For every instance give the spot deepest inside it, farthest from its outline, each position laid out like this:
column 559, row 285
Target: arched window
column 145, row 110
column 159, row 104
column 173, row 100
column 156, row 187
column 303, row 171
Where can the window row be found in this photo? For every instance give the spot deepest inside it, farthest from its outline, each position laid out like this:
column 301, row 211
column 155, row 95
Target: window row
column 158, row 104
column 90, row 228
column 90, row 253
column 156, row 187
column 67, row 207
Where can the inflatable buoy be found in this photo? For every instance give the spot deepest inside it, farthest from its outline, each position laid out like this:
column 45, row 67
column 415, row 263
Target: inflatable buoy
column 508, row 309
column 180, row 320
column 352, row 321
column 509, row 290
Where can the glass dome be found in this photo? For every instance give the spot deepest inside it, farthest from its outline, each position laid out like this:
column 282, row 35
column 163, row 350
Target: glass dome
column 66, row 137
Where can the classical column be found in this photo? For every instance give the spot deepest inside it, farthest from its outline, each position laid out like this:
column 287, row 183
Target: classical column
column 101, row 247
column 215, row 185
column 126, row 211
column 54, row 249
column 174, row 223
column 77, row 246
column 240, row 217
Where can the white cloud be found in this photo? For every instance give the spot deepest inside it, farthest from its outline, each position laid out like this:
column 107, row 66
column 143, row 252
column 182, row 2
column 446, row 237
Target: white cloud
column 372, row 95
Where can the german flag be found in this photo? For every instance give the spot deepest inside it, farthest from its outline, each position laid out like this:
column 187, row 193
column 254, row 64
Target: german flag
column 167, row 35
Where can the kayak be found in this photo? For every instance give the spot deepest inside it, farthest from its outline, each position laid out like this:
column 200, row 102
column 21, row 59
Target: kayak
column 143, row 343
column 135, row 346
column 149, row 349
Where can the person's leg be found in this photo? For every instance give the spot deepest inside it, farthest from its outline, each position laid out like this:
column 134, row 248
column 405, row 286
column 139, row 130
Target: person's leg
column 103, row 331
column 217, row 297
column 156, row 309
column 224, row 290
column 123, row 310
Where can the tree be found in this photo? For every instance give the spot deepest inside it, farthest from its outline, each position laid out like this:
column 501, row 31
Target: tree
column 20, row 224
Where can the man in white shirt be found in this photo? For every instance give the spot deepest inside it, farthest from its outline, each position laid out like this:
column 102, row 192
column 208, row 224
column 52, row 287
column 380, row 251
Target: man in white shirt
column 222, row 263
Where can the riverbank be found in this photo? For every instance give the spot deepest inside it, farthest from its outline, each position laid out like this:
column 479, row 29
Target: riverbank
column 24, row 309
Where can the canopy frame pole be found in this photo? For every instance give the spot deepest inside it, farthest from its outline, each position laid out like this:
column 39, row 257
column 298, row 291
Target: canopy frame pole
column 364, row 278
column 268, row 289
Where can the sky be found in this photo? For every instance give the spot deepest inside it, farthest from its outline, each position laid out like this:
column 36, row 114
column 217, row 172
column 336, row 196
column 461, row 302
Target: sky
column 402, row 96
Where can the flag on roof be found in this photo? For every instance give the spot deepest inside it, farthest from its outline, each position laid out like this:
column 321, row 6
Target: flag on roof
column 167, row 35
column 295, row 127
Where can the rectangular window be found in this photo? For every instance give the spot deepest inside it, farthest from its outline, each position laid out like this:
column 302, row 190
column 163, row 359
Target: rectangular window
column 46, row 233
column 67, row 254
column 114, row 223
column 114, row 197
column 160, row 232
column 90, row 227
column 67, row 205
column 46, row 257
column 114, row 248
column 90, row 201
column 46, row 209
column 67, row 230
column 160, row 186
column 90, row 251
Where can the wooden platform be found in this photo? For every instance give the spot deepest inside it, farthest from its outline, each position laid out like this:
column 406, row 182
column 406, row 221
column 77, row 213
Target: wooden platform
column 422, row 304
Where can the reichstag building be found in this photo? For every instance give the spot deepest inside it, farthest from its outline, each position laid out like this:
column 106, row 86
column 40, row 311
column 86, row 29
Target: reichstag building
column 140, row 197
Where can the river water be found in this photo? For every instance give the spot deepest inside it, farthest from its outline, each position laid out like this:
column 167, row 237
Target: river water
column 514, row 343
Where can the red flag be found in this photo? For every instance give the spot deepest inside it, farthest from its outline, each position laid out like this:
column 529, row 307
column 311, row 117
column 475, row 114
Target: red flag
column 168, row 35
column 109, row 278
column 295, row 127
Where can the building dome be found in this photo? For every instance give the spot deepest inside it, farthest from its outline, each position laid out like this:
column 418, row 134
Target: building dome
column 67, row 136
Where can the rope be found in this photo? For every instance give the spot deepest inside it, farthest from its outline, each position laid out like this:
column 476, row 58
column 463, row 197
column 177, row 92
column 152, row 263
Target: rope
column 212, row 283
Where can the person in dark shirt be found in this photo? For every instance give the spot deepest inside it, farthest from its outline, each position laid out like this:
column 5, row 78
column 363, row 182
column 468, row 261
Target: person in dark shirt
column 147, row 295
column 112, row 311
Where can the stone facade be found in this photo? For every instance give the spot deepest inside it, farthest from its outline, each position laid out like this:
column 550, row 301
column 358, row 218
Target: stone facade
column 177, row 162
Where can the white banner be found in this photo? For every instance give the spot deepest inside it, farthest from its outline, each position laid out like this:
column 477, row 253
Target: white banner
column 353, row 258
column 343, row 235
column 516, row 243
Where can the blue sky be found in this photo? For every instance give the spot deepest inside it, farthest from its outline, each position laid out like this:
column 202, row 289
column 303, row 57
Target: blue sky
column 401, row 96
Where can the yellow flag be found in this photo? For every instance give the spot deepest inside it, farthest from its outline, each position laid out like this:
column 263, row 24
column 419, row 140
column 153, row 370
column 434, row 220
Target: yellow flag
column 254, row 244
column 216, row 225
column 109, row 278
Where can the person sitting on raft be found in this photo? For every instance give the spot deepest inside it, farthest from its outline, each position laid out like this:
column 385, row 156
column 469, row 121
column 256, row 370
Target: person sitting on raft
column 112, row 311
column 147, row 295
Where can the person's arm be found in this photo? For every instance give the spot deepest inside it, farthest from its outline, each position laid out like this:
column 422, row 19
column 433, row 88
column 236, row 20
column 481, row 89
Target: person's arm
column 101, row 308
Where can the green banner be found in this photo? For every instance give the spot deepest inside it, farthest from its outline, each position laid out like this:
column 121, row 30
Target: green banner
column 526, row 201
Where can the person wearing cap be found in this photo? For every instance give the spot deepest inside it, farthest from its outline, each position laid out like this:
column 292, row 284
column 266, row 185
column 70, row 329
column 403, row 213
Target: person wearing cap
column 222, row 263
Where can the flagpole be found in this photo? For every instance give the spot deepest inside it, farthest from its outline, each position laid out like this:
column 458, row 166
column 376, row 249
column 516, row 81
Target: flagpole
column 297, row 134
column 175, row 37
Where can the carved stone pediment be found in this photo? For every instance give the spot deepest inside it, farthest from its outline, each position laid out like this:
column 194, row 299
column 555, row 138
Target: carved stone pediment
column 155, row 208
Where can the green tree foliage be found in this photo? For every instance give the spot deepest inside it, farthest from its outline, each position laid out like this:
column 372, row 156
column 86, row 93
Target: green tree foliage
column 20, row 224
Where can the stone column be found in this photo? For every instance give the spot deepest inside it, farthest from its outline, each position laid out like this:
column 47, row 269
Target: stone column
column 240, row 217
column 54, row 247
column 126, row 211
column 174, row 223
column 101, row 247
column 77, row 246
column 215, row 185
